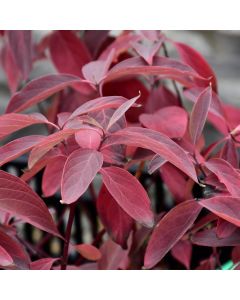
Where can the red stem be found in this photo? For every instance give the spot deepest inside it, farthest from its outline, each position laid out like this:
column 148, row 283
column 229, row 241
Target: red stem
column 68, row 236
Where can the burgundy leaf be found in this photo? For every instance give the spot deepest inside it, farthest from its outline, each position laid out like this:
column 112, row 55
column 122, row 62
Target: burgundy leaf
column 156, row 142
column 116, row 221
column 170, row 230
column 194, row 59
column 47, row 144
column 89, row 138
column 21, row 47
column 51, row 181
column 225, row 207
column 10, row 68
column 156, row 163
column 113, row 256
column 88, row 251
column 43, row 264
column 224, row 228
column 120, row 45
column 129, row 194
column 171, row 121
column 69, row 54
column 120, row 111
column 12, row 122
column 5, row 258
column 182, row 252
column 147, row 50
column 226, row 175
column 18, row 199
column 96, row 70
column 162, row 66
column 199, row 114
column 18, row 147
column 230, row 154
column 98, row 104
column 15, row 250
column 40, row 89
column 209, row 238
column 79, row 171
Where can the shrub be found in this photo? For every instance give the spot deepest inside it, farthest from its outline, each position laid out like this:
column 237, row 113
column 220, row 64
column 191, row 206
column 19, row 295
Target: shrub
column 125, row 134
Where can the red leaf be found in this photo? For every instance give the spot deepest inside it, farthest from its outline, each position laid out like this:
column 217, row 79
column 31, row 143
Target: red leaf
column 51, row 181
column 129, row 194
column 12, row 122
column 89, row 138
column 162, row 66
column 79, row 171
column 17, row 198
column 96, row 70
column 225, row 207
column 18, row 147
column 229, row 153
column 175, row 116
column 236, row 254
column 226, row 175
column 43, row 264
column 15, row 250
column 120, row 45
column 209, row 238
column 113, row 256
column 5, row 258
column 197, row 62
column 21, row 47
column 40, row 89
column 156, row 163
column 120, row 111
column 147, row 50
column 224, row 228
column 69, row 54
column 10, row 68
column 117, row 223
column 182, row 252
column 47, row 144
column 199, row 114
column 170, row 230
column 88, row 251
column 98, row 104
column 156, row 142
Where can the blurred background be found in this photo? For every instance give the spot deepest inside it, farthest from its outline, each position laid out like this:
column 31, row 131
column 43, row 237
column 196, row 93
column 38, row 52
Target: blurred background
column 220, row 48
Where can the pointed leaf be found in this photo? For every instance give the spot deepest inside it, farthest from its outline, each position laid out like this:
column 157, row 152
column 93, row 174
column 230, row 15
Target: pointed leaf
column 120, row 111
column 162, row 66
column 10, row 123
column 129, row 194
column 18, row 147
column 79, row 171
column 199, row 114
column 47, row 144
column 226, row 175
column 209, row 238
column 18, row 199
column 21, row 47
column 156, row 142
column 170, row 230
column 40, row 89
column 182, row 252
column 197, row 62
column 156, row 163
column 16, row 251
column 43, row 264
column 224, row 228
column 69, row 54
column 225, row 207
column 116, row 221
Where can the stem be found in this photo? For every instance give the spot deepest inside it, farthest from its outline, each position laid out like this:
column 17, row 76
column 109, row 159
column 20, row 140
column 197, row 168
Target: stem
column 173, row 81
column 68, row 235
